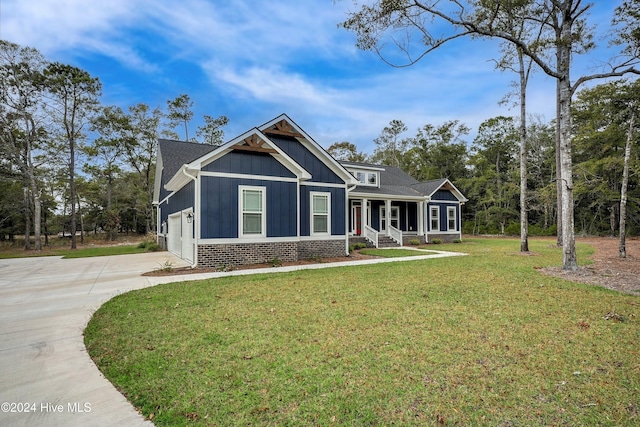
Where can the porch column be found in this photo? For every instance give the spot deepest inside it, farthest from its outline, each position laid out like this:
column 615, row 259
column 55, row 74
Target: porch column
column 421, row 220
column 364, row 214
column 387, row 215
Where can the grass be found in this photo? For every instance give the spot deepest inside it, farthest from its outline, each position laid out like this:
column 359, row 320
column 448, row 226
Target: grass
column 477, row 340
column 393, row 253
column 101, row 251
column 93, row 248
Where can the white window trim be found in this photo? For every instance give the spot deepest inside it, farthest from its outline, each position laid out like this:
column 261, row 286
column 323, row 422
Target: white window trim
column 449, row 217
column 434, row 217
column 328, row 195
column 366, row 174
column 263, row 225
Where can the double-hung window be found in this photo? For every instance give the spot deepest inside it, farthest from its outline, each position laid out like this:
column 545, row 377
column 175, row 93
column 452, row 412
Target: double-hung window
column 320, row 213
column 435, row 218
column 252, row 211
column 451, row 218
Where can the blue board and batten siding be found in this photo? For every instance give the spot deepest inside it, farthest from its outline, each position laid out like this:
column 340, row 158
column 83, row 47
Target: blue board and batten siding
column 300, row 154
column 443, row 197
column 219, row 204
column 219, row 208
column 179, row 201
column 338, row 209
column 249, row 164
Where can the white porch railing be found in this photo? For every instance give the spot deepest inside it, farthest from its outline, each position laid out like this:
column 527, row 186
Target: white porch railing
column 371, row 235
column 395, row 234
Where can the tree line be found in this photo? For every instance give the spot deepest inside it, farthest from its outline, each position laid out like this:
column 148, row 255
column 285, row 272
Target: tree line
column 69, row 163
column 541, row 35
column 605, row 134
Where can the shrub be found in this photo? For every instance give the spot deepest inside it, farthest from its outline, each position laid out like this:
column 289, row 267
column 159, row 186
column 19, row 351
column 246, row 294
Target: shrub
column 167, row 267
column 457, row 241
column 275, row 262
column 142, row 245
column 414, row 242
column 153, row 247
column 436, row 241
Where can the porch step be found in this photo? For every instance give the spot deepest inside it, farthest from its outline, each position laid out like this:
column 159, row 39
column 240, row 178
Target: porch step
column 387, row 242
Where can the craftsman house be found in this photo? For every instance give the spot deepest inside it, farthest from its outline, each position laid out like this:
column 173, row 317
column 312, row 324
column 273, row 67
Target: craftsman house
column 273, row 192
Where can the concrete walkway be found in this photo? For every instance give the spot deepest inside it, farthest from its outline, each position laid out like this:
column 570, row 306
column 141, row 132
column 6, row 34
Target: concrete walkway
column 46, row 376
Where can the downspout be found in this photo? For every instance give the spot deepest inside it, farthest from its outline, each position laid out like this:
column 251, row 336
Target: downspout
column 196, row 214
column 425, row 218
column 347, row 213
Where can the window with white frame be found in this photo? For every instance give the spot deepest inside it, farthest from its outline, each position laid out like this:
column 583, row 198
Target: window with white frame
column 366, row 178
column 252, row 211
column 320, row 213
column 451, row 218
column 435, row 218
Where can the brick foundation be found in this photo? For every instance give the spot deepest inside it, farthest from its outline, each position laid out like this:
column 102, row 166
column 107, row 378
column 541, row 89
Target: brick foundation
column 234, row 254
column 406, row 239
column 321, row 248
column 446, row 238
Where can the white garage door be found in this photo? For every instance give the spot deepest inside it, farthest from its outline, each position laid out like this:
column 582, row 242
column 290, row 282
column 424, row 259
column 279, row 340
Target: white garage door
column 174, row 235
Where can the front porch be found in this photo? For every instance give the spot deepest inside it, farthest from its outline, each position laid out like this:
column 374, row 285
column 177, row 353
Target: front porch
column 386, row 222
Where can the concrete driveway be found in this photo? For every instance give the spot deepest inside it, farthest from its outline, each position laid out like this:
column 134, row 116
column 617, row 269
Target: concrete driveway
column 46, row 375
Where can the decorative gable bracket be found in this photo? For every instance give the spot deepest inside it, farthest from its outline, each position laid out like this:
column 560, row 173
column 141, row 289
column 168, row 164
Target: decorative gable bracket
column 255, row 144
column 284, row 128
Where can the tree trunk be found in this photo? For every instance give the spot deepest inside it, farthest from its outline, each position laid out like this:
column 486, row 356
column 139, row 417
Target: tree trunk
column 613, row 219
column 625, row 183
column 27, row 216
column 524, row 220
column 72, row 189
column 37, row 215
column 569, row 259
column 559, row 214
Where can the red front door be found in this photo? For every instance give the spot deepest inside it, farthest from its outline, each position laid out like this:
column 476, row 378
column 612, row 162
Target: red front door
column 356, row 218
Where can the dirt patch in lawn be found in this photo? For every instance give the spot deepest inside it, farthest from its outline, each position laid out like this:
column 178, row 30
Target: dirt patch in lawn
column 608, row 269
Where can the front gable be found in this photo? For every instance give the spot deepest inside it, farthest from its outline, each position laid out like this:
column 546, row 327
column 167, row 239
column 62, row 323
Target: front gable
column 249, row 163
column 289, row 137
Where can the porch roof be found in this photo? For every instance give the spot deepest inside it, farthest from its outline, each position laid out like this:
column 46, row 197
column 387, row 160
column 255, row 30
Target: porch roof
column 387, row 191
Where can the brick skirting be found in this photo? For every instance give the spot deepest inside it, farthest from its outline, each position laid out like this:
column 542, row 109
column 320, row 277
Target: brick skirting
column 446, row 238
column 321, row 248
column 234, row 254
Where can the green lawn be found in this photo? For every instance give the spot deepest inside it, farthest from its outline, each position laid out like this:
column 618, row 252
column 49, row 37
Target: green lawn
column 470, row 341
column 81, row 252
column 395, row 253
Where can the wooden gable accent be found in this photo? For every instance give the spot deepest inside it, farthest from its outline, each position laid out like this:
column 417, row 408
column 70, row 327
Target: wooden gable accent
column 255, row 144
column 283, row 128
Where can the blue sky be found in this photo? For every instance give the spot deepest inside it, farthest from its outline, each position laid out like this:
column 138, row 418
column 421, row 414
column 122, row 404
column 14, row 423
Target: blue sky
column 253, row 60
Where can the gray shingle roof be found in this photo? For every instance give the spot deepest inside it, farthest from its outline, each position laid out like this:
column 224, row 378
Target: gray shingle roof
column 174, row 154
column 393, row 181
column 427, row 188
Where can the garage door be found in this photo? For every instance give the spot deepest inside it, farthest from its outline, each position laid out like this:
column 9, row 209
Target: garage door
column 180, row 235
column 174, row 235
